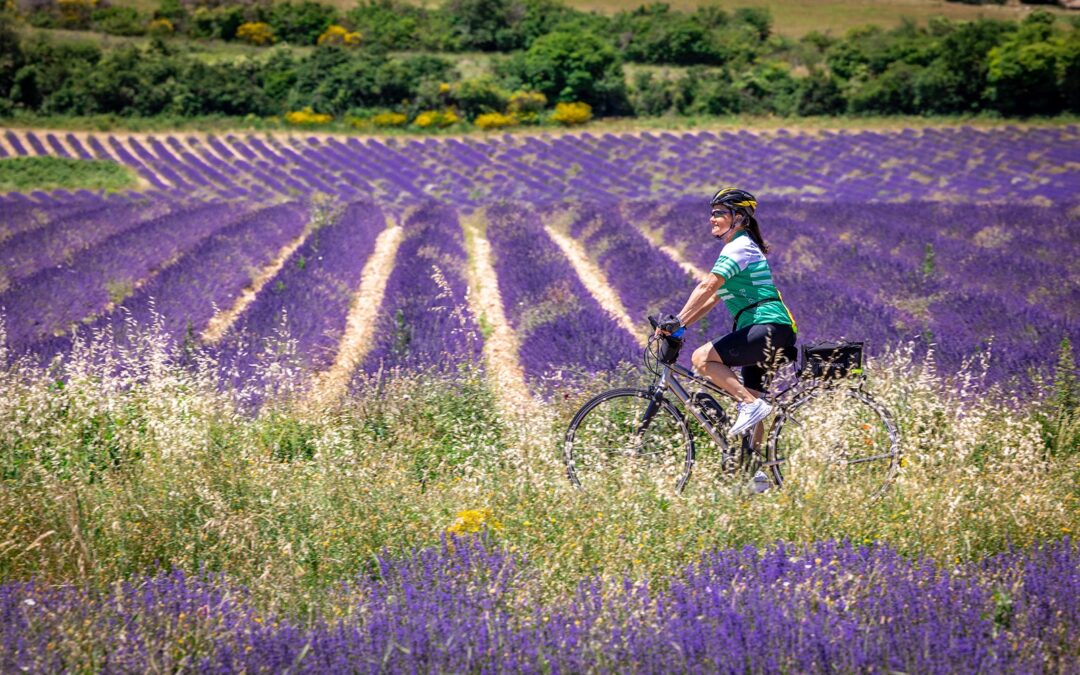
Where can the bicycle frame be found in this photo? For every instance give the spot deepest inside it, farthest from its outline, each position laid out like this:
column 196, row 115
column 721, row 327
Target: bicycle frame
column 668, row 382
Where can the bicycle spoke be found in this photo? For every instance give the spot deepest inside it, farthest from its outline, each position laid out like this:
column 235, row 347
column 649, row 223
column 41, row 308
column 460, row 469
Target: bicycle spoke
column 872, row 458
column 838, row 436
column 625, row 435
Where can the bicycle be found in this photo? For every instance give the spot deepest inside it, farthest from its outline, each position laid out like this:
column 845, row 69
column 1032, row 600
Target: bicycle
column 646, row 426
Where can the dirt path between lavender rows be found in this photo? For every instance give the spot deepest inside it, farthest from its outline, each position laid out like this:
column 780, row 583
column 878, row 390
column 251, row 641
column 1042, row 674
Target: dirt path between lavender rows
column 224, row 319
column 331, row 384
column 501, row 344
column 596, row 283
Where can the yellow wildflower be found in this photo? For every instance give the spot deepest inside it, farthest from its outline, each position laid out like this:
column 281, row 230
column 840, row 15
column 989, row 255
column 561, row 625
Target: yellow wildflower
column 472, row 520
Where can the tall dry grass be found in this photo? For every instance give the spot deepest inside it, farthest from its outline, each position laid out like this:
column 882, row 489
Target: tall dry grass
column 117, row 463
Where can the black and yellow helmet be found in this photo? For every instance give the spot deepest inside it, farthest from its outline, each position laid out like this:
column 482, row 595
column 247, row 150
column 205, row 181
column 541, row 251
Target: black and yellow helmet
column 738, row 200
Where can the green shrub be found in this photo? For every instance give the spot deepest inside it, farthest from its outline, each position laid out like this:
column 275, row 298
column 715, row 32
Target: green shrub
column 119, row 21
column 655, row 34
column 1024, row 73
column 301, row 23
column 527, row 106
column 24, row 174
column 819, row 94
column 479, row 96
column 573, row 67
column 651, row 95
column 75, row 14
column 220, row 22
column 389, row 24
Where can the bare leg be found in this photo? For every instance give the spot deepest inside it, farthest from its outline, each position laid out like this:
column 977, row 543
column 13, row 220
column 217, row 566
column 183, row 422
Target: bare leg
column 707, row 363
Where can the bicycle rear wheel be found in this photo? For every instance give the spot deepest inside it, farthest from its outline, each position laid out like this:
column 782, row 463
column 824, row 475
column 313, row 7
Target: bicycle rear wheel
column 830, row 436
column 628, row 435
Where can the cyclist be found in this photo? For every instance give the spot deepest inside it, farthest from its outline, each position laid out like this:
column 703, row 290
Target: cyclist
column 763, row 334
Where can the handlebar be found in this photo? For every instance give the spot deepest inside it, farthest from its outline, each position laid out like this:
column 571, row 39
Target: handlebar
column 670, row 324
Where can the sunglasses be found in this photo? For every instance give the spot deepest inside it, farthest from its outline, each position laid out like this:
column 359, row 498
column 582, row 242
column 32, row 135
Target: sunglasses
column 719, row 213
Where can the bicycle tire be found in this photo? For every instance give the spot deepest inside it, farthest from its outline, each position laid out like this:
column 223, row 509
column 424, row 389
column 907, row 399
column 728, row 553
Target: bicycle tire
column 860, row 441
column 605, row 430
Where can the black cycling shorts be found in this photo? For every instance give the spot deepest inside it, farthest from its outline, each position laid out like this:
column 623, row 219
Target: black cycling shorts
column 757, row 349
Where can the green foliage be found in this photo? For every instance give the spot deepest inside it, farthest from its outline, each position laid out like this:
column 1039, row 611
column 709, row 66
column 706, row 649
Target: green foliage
column 891, row 92
column 1060, row 414
column 656, row 34
column 11, row 56
column 929, row 263
column 574, row 67
column 819, row 94
column 651, row 96
column 477, row 97
column 285, row 438
column 1024, row 71
column 954, row 82
column 119, row 21
column 757, row 18
column 390, row 24
column 23, row 174
column 300, row 23
column 735, row 65
column 482, row 25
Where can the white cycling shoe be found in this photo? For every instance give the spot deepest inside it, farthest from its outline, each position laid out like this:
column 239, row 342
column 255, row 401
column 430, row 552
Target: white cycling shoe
column 749, row 415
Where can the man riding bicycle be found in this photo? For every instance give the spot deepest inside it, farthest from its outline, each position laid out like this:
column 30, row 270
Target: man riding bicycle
column 763, row 332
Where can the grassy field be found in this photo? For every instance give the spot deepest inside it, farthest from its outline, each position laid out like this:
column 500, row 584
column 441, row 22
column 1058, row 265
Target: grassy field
column 790, row 17
column 110, row 472
column 22, row 174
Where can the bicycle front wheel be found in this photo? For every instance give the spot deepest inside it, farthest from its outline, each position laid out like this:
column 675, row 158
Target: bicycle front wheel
column 627, row 436
column 831, row 436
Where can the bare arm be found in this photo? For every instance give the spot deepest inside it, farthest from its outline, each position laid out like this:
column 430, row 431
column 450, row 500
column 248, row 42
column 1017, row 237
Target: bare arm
column 702, row 299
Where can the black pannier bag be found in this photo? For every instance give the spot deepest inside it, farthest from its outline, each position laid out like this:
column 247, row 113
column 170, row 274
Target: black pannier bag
column 670, row 348
column 833, row 359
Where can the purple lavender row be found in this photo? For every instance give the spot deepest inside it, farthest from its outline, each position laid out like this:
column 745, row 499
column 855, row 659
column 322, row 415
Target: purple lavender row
column 273, row 162
column 16, row 143
column 310, row 297
column 50, row 301
column 465, row 607
column 19, row 214
column 182, row 298
column 143, row 164
column 956, row 275
column 558, row 323
column 863, row 166
column 66, row 237
column 647, row 281
column 424, row 321
column 56, row 146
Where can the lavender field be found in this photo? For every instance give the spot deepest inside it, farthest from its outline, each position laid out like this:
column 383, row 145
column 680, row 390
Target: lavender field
column 884, row 236
column 295, row 403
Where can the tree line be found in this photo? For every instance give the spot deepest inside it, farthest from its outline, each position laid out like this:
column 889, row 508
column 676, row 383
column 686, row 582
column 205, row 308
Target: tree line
column 386, row 55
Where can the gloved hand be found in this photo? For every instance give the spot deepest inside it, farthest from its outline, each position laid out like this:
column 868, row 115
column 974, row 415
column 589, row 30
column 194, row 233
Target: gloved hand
column 670, row 323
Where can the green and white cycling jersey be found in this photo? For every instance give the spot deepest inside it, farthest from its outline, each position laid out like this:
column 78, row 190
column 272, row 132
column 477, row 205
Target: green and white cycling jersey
column 747, row 279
